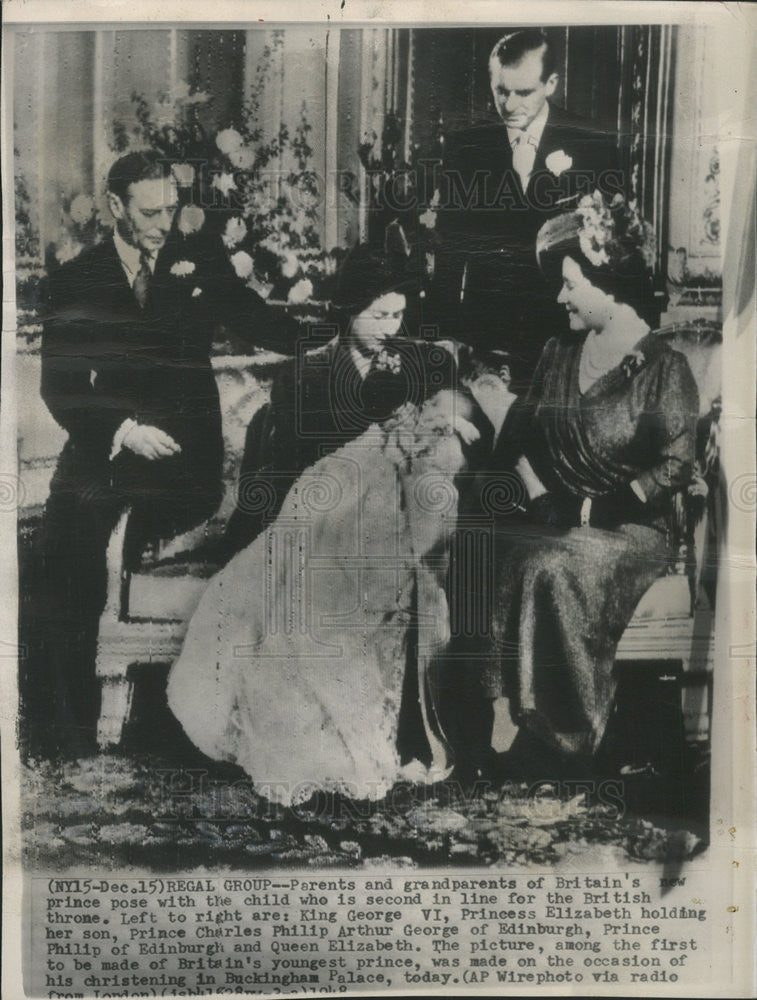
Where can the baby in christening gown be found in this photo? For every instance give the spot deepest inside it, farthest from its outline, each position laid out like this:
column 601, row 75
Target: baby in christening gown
column 294, row 660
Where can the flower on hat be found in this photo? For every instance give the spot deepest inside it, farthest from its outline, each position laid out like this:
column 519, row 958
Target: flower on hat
column 611, row 233
column 596, row 228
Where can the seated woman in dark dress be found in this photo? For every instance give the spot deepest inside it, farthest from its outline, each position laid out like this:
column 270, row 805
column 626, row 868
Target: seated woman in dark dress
column 602, row 439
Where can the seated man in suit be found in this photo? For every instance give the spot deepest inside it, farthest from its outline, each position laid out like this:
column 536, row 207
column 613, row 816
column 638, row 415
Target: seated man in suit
column 500, row 182
column 126, row 371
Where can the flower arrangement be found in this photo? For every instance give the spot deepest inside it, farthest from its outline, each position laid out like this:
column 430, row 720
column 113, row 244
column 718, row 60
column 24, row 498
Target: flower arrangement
column 613, row 232
column 256, row 190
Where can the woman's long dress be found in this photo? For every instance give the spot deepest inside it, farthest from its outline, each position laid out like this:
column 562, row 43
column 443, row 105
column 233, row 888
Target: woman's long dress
column 562, row 599
column 294, row 661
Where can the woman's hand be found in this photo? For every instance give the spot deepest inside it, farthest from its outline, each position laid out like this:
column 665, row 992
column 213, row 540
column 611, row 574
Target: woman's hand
column 622, row 506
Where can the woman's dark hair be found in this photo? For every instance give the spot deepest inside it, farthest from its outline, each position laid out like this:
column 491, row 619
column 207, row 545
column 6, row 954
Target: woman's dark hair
column 146, row 165
column 368, row 272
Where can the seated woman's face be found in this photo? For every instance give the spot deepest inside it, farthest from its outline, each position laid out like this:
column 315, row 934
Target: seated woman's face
column 588, row 307
column 379, row 322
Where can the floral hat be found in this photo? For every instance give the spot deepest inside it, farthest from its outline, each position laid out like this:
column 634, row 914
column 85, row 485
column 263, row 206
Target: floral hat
column 612, row 244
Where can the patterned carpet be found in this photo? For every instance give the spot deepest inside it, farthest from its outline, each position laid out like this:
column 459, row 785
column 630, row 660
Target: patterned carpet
column 114, row 812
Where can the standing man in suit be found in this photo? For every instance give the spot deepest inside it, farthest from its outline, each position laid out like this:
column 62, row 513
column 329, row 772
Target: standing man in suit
column 126, row 372
column 500, row 182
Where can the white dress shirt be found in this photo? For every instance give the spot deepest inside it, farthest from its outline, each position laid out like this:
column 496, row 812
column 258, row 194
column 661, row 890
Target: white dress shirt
column 131, row 258
column 525, row 142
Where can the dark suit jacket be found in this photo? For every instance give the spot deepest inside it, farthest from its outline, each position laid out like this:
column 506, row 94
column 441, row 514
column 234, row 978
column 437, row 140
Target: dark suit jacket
column 486, row 273
column 105, row 359
column 483, row 200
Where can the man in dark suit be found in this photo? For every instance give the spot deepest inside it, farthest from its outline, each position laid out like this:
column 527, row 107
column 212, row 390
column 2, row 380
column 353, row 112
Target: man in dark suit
column 501, row 181
column 126, row 371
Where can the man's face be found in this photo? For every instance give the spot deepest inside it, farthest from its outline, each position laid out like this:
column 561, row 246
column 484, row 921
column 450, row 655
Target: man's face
column 379, row 322
column 519, row 91
column 145, row 218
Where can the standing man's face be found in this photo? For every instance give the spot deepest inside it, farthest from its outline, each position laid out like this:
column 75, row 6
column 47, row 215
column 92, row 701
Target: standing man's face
column 144, row 220
column 519, row 91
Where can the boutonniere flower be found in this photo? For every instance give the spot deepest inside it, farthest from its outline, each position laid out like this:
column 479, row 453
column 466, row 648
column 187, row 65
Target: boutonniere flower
column 196, row 292
column 632, row 363
column 387, row 361
column 558, row 162
column 182, row 268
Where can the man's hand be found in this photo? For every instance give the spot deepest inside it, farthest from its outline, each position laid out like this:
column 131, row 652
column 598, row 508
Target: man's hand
column 150, row 442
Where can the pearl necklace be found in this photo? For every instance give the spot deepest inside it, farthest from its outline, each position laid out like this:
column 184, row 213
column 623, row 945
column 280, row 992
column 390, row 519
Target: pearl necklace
column 604, row 351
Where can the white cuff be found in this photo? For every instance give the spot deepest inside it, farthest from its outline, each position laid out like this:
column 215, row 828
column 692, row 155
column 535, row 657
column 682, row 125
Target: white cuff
column 585, row 517
column 635, row 486
column 120, row 436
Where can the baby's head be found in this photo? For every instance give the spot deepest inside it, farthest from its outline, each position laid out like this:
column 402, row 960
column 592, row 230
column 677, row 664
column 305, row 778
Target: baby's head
column 487, row 365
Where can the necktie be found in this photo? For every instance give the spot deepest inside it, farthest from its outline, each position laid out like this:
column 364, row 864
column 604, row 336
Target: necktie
column 524, row 154
column 142, row 280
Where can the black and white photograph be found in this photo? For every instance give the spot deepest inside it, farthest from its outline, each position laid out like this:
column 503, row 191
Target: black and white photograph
column 379, row 483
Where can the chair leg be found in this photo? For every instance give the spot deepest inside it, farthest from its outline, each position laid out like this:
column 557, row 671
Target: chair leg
column 115, row 708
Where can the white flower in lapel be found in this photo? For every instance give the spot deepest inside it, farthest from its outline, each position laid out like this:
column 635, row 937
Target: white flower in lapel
column 558, row 162
column 183, row 268
column 196, row 292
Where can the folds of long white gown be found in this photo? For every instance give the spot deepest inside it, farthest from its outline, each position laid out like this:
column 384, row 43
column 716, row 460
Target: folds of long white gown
column 293, row 662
